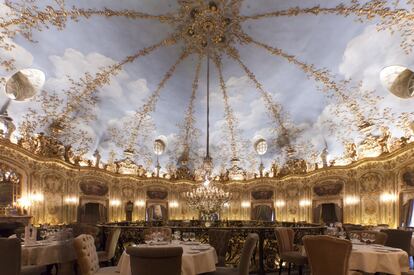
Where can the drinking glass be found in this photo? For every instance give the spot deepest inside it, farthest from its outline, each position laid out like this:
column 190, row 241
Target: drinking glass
column 192, row 237
column 148, row 238
column 160, row 237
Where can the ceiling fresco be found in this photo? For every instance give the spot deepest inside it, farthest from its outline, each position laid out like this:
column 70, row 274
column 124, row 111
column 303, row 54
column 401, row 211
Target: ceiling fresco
column 303, row 75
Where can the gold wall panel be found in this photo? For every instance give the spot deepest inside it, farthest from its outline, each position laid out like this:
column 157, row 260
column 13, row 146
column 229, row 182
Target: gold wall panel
column 373, row 192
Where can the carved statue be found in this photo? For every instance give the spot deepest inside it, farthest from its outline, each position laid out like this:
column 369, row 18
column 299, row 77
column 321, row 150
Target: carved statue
column 235, row 172
column 324, row 157
column 77, row 160
column 293, row 166
column 274, row 169
column 68, row 153
column 97, row 158
column 383, row 140
column 351, row 151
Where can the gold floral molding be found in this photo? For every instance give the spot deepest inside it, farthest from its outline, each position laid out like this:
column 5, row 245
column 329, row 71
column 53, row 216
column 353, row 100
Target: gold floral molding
column 205, row 28
column 391, row 18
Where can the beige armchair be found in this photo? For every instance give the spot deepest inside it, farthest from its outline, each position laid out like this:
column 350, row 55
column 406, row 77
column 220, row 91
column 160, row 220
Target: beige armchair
column 220, row 239
column 110, row 246
column 246, row 255
column 287, row 253
column 88, row 258
column 321, row 248
column 155, row 261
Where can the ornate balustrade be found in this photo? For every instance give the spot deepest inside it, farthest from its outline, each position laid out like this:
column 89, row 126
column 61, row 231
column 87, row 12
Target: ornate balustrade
column 265, row 258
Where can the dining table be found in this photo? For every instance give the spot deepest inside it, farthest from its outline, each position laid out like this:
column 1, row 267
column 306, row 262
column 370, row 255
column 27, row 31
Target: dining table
column 46, row 253
column 373, row 258
column 196, row 258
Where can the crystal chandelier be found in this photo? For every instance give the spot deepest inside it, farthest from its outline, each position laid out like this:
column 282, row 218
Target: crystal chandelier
column 207, row 199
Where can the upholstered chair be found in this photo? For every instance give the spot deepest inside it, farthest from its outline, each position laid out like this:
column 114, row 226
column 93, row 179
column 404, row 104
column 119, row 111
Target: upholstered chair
column 220, row 239
column 246, row 255
column 110, row 246
column 287, row 253
column 88, row 258
column 399, row 239
column 88, row 229
column 374, row 237
column 165, row 231
column 10, row 259
column 327, row 255
column 155, row 260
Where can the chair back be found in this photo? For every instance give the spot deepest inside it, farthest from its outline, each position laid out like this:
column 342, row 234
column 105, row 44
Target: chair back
column 155, row 260
column 86, row 253
column 285, row 237
column 374, row 237
column 327, row 255
column 112, row 242
column 220, row 239
column 166, row 232
column 399, row 239
column 352, row 227
column 247, row 252
column 10, row 256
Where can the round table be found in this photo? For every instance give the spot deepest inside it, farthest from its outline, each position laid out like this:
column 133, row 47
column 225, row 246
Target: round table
column 192, row 264
column 376, row 258
column 47, row 253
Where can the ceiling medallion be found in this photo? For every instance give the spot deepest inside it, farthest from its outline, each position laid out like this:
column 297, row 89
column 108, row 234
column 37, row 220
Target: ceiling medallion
column 206, row 25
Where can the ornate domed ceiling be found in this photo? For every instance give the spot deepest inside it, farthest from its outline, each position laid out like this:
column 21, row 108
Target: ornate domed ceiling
column 305, row 77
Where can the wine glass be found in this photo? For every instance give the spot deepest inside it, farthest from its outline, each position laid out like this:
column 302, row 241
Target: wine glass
column 43, row 234
column 160, row 237
column 185, row 237
column 192, row 237
column 148, row 239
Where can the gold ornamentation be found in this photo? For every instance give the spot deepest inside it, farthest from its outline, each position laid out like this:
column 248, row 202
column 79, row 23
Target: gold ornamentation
column 188, row 133
column 390, row 18
column 150, row 103
column 228, row 111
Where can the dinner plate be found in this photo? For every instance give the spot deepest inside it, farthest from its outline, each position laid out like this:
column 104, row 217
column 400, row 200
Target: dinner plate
column 159, row 243
column 201, row 247
column 191, row 243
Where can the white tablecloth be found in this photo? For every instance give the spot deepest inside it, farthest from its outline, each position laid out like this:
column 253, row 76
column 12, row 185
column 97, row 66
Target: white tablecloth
column 48, row 253
column 371, row 259
column 192, row 264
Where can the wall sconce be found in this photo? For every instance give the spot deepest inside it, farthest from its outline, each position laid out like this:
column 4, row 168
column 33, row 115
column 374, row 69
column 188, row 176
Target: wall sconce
column 36, row 197
column 280, row 203
column 140, row 203
column 388, row 197
column 351, row 200
column 173, row 204
column 245, row 204
column 115, row 202
column 24, row 202
column 71, row 200
column 226, row 205
column 304, row 203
